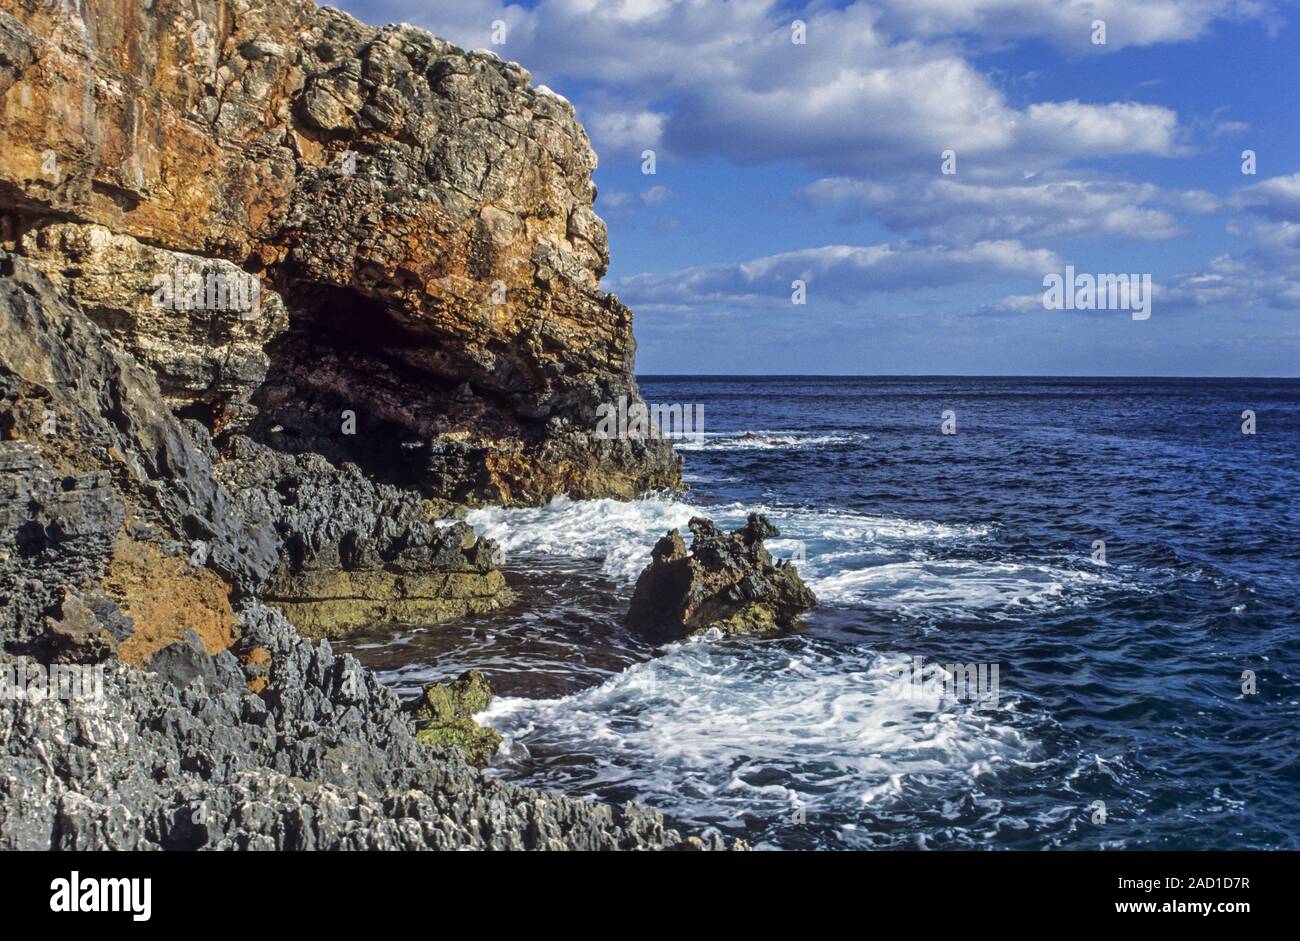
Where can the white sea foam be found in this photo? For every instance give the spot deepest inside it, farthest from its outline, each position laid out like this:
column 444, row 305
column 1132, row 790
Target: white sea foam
column 621, row 533
column 954, row 586
column 765, row 440
column 852, row 528
column 757, row 730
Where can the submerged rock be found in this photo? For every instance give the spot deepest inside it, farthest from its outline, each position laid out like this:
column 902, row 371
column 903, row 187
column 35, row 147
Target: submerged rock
column 727, row 581
column 446, row 712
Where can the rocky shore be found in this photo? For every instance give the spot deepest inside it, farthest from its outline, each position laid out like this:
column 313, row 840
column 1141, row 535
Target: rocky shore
column 281, row 295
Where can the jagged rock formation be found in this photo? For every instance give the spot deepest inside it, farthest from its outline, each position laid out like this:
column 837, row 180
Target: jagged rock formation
column 425, row 214
column 236, row 733
column 324, row 758
column 445, row 715
column 357, row 553
column 89, row 408
column 200, row 325
column 728, row 581
column 57, row 533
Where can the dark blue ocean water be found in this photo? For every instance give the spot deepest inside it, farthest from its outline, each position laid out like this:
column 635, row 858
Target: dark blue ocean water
column 1119, row 683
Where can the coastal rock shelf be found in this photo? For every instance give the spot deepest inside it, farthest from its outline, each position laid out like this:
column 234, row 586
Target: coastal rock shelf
column 359, row 553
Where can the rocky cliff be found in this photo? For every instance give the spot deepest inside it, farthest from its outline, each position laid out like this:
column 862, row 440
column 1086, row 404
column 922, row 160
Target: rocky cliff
column 419, row 217
column 277, row 291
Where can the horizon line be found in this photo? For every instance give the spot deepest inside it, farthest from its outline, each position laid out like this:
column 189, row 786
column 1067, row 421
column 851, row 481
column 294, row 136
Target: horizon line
column 819, row 375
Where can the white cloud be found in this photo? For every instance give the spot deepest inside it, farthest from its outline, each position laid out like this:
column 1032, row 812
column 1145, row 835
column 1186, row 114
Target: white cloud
column 879, row 90
column 1268, row 276
column 1277, row 198
column 655, row 195
column 954, row 210
column 1068, row 23
column 840, row 274
column 1014, row 304
column 612, row 199
column 863, row 94
column 1265, row 274
column 618, row 132
column 1100, row 130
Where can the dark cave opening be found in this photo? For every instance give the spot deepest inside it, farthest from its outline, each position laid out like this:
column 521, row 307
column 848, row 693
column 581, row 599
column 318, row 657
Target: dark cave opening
column 342, row 383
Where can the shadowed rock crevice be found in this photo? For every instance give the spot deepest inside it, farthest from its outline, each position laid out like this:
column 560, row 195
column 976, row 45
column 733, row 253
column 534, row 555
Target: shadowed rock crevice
column 350, row 380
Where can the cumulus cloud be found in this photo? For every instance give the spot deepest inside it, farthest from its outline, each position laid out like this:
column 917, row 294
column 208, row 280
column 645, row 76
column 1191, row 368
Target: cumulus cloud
column 1268, row 275
column 709, row 78
column 1277, row 198
column 879, row 90
column 654, row 195
column 612, row 199
column 1068, row 23
column 1013, row 304
column 1266, row 271
column 839, row 274
column 621, row 132
column 1265, row 274
column 953, row 209
column 621, row 203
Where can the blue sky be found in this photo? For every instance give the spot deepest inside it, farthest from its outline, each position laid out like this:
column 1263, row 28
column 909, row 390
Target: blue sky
column 821, row 162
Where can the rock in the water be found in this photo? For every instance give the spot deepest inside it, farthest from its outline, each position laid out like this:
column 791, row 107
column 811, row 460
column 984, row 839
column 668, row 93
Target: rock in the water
column 446, row 713
column 727, row 581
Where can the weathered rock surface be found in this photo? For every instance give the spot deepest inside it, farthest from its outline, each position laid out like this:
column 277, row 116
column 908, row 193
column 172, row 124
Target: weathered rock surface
column 324, row 758
column 90, row 408
column 236, row 733
column 200, row 324
column 418, row 223
column 57, row 533
column 357, row 553
column 445, row 714
column 425, row 213
column 727, row 581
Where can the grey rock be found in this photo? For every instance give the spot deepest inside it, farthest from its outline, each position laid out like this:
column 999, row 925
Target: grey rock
column 107, row 411
column 325, row 758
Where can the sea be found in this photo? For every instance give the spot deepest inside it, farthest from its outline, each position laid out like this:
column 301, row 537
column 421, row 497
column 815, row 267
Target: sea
column 1054, row 613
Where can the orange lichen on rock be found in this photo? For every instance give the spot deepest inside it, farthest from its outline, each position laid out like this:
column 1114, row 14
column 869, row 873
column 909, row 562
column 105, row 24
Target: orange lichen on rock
column 166, row 598
column 257, row 665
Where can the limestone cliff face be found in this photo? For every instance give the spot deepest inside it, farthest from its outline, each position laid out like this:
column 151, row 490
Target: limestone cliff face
column 419, row 220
